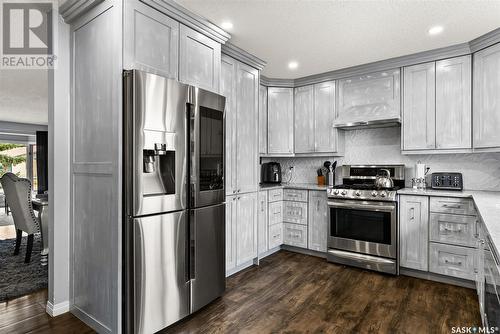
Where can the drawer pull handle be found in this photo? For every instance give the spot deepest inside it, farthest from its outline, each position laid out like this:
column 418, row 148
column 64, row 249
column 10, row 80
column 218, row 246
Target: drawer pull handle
column 459, row 230
column 451, row 206
column 458, row 263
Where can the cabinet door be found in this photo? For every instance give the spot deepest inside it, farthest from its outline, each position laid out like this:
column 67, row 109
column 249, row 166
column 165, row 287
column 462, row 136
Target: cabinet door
column 230, row 233
column 295, row 235
column 280, row 120
column 200, row 60
column 414, row 231
column 453, row 103
column 304, row 119
column 247, row 108
column 228, row 89
column 295, row 212
column 325, row 135
column 151, row 40
column 318, row 221
column 275, row 213
column 486, row 111
column 262, row 226
column 246, row 228
column 263, row 119
column 419, row 112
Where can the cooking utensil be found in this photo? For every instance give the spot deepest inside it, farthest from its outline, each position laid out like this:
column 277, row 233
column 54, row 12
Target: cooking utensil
column 334, row 165
column 327, row 164
column 384, row 181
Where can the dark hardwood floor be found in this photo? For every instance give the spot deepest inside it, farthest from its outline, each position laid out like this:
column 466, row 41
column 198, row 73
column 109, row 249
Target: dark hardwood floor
column 27, row 315
column 294, row 293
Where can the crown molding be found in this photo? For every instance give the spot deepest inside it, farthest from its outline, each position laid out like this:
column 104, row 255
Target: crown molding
column 485, row 40
column 72, row 9
column 190, row 19
column 243, row 56
column 272, row 82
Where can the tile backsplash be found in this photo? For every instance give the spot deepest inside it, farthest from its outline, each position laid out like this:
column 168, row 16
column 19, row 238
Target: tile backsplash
column 481, row 171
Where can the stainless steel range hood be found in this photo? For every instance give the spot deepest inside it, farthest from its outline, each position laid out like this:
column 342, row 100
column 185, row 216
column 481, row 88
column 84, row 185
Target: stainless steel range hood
column 377, row 123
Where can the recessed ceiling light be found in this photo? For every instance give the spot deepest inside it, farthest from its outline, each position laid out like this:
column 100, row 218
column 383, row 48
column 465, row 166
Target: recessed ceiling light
column 435, row 30
column 293, row 65
column 226, row 25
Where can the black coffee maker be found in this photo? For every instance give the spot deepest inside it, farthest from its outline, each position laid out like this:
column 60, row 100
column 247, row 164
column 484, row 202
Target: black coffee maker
column 270, row 172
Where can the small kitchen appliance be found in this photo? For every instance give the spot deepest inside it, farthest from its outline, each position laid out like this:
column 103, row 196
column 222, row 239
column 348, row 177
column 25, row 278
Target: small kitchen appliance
column 270, row 172
column 362, row 229
column 447, row 181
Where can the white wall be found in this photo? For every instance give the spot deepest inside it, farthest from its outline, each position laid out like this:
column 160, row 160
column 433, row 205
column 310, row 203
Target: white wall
column 481, row 171
column 59, row 187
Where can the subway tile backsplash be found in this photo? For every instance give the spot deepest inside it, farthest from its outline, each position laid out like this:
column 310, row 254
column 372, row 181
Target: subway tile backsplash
column 481, row 171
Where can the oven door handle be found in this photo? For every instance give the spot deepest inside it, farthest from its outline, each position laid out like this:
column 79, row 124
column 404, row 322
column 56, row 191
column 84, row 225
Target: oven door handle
column 362, row 206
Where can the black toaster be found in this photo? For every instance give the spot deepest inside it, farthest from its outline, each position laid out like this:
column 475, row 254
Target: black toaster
column 447, row 181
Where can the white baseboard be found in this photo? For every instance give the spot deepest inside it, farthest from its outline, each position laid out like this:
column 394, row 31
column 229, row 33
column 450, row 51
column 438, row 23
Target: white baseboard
column 58, row 309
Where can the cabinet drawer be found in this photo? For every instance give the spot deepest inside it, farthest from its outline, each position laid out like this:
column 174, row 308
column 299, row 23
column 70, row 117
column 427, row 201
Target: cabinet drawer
column 458, row 206
column 453, row 229
column 295, row 195
column 295, row 235
column 275, row 213
column 450, row 260
column 295, row 212
column 275, row 195
column 275, row 235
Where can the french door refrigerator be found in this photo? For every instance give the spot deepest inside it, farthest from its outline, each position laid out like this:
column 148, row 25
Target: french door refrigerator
column 174, row 200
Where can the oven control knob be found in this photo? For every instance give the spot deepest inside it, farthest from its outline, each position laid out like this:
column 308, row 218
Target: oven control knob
column 383, row 194
column 357, row 193
column 336, row 192
column 343, row 192
column 374, row 194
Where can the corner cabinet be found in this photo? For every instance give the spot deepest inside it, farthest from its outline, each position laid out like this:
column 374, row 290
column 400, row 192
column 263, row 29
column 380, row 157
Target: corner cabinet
column 240, row 86
column 280, row 120
column 200, row 59
column 437, row 114
column 151, row 40
column 414, row 231
column 263, row 119
column 487, row 99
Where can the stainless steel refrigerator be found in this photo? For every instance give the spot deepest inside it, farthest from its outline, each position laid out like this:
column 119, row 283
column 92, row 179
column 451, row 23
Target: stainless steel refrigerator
column 174, row 200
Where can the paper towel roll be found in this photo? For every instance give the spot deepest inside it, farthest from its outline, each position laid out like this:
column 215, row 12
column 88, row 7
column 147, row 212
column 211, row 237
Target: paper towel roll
column 419, row 170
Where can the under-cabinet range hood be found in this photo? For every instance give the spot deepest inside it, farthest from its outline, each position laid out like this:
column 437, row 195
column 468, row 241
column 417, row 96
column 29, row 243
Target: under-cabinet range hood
column 371, row 100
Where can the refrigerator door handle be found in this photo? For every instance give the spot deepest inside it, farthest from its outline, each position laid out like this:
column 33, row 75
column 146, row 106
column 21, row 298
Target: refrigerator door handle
column 192, row 244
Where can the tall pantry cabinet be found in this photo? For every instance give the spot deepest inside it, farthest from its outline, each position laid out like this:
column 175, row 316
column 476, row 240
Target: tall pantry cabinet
column 240, row 86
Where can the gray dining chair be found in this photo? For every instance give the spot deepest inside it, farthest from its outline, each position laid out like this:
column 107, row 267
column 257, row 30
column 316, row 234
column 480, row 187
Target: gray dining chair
column 18, row 196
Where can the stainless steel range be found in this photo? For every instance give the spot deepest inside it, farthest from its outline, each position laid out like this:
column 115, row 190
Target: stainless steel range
column 362, row 230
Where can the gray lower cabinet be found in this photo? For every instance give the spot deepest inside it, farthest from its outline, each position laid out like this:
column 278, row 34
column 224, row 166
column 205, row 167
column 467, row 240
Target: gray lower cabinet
column 317, row 221
column 151, row 40
column 453, row 229
column 240, row 86
column 452, row 260
column 262, row 119
column 241, row 230
column 295, row 212
column 437, row 106
column 295, row 235
column 280, row 120
column 199, row 59
column 275, row 235
column 262, row 223
column 413, row 225
column 275, row 218
column 486, row 111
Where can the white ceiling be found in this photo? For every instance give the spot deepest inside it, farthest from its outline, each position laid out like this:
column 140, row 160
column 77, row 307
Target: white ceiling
column 24, row 96
column 324, row 35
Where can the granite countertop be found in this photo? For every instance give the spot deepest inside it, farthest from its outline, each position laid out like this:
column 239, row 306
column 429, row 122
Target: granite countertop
column 304, row 186
column 487, row 204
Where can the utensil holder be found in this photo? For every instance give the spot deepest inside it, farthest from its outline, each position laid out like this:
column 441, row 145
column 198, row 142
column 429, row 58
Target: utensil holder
column 321, row 180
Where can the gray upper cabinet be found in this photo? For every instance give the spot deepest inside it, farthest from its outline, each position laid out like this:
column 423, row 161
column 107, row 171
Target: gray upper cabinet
column 240, row 86
column 437, row 106
column 151, row 40
column 263, row 119
column 419, row 108
column 304, row 119
column 200, row 60
column 414, row 231
column 369, row 97
column 487, row 98
column 453, row 103
column 326, row 138
column 280, row 120
column 228, row 89
column 247, row 107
